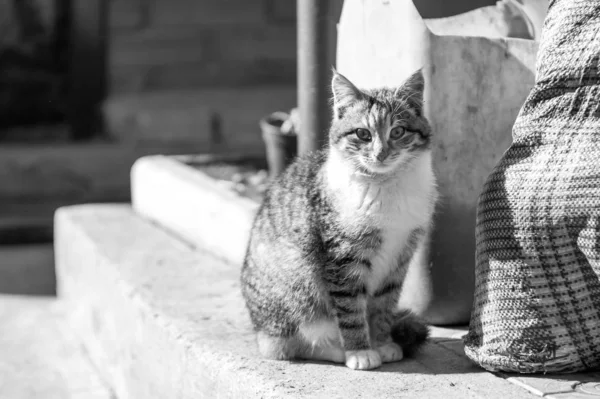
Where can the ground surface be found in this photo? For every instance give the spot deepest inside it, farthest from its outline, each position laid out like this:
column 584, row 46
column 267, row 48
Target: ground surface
column 173, row 318
column 39, row 357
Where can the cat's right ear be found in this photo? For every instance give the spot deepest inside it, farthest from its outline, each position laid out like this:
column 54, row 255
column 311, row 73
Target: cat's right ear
column 344, row 93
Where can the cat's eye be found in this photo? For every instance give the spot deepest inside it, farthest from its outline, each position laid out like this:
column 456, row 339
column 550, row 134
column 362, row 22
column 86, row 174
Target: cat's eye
column 397, row 132
column 363, row 134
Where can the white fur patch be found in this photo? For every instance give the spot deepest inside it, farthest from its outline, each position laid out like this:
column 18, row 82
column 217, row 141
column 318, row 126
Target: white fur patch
column 321, row 333
column 396, row 206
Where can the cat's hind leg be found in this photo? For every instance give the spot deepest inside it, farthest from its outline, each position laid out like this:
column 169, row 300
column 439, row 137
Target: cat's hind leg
column 288, row 348
column 390, row 352
column 395, row 334
column 320, row 341
column 356, row 360
column 322, row 352
column 277, row 348
column 381, row 320
column 409, row 331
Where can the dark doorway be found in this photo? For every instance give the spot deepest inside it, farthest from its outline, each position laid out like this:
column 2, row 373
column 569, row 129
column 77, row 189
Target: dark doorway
column 33, row 62
column 52, row 69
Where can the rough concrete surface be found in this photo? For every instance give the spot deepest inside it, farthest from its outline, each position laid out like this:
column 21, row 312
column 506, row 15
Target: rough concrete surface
column 560, row 386
column 162, row 320
column 199, row 210
column 39, row 357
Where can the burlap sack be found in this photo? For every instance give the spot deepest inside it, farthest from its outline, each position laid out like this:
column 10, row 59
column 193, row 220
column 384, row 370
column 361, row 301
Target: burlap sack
column 537, row 297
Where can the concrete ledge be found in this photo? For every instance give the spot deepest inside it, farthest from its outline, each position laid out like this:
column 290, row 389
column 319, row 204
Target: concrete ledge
column 163, row 320
column 83, row 172
column 40, row 358
column 193, row 205
column 36, row 180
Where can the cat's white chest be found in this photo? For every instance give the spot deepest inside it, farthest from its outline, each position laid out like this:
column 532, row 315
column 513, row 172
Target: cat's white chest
column 399, row 212
column 395, row 208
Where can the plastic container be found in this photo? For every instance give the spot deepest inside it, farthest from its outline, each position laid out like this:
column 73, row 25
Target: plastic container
column 281, row 147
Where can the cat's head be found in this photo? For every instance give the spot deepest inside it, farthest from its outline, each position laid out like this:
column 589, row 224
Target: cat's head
column 380, row 130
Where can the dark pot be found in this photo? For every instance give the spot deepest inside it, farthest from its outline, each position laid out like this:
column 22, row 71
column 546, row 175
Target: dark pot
column 281, row 147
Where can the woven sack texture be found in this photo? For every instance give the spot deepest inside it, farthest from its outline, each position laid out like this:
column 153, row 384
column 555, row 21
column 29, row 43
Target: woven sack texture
column 537, row 295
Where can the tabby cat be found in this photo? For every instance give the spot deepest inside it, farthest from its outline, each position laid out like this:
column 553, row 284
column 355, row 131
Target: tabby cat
column 333, row 239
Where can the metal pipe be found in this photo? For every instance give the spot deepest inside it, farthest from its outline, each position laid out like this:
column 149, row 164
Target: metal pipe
column 87, row 66
column 316, row 33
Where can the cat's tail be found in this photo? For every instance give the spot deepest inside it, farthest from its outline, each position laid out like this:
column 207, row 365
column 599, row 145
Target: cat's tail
column 410, row 332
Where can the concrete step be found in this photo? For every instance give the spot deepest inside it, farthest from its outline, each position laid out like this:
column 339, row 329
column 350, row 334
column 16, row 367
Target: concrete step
column 39, row 357
column 196, row 201
column 161, row 319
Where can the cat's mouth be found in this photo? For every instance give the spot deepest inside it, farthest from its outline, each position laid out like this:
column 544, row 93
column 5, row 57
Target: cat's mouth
column 377, row 167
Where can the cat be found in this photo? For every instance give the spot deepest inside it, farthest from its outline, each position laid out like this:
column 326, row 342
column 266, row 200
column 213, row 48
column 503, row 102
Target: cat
column 334, row 236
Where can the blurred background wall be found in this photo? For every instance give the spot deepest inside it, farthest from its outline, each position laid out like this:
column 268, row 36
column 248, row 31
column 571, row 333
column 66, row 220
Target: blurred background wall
column 87, row 87
column 171, row 44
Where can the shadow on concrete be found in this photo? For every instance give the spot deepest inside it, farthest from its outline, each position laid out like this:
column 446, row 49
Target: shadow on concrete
column 439, row 356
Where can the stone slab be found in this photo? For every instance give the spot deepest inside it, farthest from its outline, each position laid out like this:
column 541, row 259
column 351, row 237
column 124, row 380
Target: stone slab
column 572, row 395
column 577, row 394
column 161, row 319
column 39, row 357
column 193, row 205
column 560, row 386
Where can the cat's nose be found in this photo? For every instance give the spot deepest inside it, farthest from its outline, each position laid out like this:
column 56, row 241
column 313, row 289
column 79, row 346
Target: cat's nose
column 382, row 155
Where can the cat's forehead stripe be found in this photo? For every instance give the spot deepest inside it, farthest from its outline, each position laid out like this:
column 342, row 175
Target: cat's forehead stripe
column 377, row 118
column 372, row 118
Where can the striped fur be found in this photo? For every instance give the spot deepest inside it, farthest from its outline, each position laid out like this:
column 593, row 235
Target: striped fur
column 335, row 234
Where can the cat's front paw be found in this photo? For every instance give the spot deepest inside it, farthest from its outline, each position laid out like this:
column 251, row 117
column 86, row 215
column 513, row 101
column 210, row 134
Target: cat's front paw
column 390, row 352
column 363, row 360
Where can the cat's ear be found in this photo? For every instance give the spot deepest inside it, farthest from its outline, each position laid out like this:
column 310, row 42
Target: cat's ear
column 344, row 93
column 412, row 90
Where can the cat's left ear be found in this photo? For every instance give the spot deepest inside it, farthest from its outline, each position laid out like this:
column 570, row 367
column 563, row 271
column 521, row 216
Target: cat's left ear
column 344, row 93
column 412, row 89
